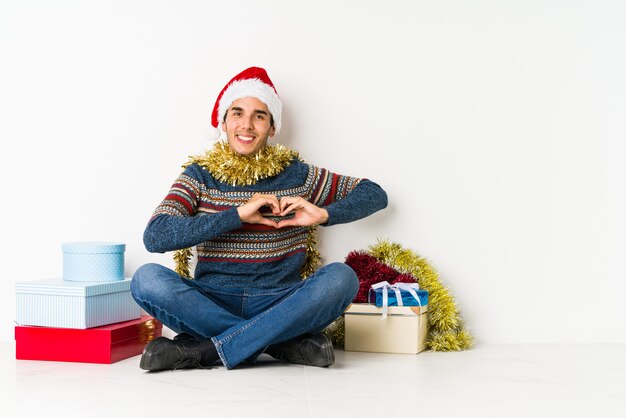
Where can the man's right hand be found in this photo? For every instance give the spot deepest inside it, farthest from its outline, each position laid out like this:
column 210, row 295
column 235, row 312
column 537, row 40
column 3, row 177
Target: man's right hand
column 249, row 211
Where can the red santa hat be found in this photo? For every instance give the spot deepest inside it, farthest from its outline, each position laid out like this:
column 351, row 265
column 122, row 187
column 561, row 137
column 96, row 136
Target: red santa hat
column 251, row 82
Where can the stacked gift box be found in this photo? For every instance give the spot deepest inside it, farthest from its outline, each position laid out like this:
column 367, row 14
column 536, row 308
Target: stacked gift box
column 88, row 315
column 395, row 320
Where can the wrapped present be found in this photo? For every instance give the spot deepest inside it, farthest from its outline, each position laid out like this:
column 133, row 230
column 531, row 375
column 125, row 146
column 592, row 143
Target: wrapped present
column 64, row 304
column 106, row 344
column 402, row 330
column 93, row 261
column 399, row 294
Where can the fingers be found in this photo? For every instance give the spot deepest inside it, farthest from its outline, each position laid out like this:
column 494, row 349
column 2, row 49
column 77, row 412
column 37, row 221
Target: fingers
column 287, row 222
column 268, row 222
column 249, row 211
column 291, row 208
column 306, row 213
column 289, row 204
column 260, row 200
column 284, row 202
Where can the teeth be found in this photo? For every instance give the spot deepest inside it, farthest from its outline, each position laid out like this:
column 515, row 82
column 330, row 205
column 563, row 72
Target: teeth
column 245, row 138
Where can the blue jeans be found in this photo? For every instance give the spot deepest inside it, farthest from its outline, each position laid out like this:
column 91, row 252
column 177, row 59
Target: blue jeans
column 243, row 322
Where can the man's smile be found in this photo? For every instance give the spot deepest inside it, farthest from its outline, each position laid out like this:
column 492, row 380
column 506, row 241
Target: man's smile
column 245, row 138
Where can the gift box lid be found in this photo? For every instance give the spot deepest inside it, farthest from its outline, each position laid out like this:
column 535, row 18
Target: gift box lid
column 112, row 333
column 58, row 286
column 128, row 329
column 369, row 309
column 94, row 247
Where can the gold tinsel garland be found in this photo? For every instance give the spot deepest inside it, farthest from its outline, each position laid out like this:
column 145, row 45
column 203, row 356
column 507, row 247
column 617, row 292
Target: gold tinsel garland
column 182, row 258
column 336, row 331
column 312, row 258
column 243, row 170
column 229, row 167
column 446, row 331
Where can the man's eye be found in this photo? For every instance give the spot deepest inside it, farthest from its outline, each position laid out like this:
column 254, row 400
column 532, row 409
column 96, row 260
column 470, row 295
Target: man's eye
column 260, row 117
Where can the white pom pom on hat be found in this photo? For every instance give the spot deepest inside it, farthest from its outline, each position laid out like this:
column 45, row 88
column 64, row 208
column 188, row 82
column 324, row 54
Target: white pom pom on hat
column 251, row 82
column 214, row 134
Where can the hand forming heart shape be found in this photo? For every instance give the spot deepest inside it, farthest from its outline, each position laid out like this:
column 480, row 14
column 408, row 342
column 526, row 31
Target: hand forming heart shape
column 305, row 212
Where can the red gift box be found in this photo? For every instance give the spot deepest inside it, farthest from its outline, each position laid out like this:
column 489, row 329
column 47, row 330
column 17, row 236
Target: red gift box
column 106, row 344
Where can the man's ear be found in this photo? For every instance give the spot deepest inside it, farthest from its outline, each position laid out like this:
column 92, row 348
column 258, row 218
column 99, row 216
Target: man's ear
column 272, row 131
column 223, row 126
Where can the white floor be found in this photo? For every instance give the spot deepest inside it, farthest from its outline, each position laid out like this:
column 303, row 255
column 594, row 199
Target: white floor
column 488, row 381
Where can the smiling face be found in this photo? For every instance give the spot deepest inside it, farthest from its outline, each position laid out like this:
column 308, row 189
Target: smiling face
column 248, row 125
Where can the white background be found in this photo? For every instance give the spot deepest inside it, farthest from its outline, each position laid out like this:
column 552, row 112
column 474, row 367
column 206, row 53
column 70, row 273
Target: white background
column 497, row 128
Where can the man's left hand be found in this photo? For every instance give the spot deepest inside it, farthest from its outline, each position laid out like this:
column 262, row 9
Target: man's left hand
column 305, row 213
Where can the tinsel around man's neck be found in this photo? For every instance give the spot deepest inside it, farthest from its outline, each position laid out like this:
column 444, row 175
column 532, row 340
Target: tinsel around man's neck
column 243, row 170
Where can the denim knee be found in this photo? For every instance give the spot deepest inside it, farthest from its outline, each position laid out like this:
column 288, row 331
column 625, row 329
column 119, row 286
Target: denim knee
column 339, row 281
column 145, row 281
column 346, row 278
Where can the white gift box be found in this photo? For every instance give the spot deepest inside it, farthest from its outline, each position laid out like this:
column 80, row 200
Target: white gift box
column 93, row 261
column 63, row 304
column 404, row 329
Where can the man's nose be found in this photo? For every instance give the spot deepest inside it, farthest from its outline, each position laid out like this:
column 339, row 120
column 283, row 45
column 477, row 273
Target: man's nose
column 246, row 123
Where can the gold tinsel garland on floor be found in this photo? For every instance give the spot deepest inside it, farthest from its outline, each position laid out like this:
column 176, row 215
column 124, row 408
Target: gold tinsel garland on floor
column 446, row 329
column 229, row 167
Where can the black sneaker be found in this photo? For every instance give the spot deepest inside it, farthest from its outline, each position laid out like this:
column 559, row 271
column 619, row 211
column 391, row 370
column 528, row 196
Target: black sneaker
column 165, row 354
column 310, row 350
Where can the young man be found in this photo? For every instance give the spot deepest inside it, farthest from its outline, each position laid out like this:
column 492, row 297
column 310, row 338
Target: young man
column 249, row 209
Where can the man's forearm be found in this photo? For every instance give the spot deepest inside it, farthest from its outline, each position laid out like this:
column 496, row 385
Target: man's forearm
column 169, row 233
column 365, row 199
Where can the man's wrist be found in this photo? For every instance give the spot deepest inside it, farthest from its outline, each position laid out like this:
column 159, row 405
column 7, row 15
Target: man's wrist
column 325, row 216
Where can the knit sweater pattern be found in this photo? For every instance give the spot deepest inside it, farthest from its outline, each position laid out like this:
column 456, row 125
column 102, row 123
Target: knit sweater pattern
column 201, row 211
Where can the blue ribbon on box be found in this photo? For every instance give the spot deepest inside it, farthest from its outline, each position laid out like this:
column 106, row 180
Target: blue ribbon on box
column 400, row 294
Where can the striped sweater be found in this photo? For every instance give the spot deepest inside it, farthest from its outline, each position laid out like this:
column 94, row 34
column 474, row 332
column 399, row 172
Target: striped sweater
column 202, row 211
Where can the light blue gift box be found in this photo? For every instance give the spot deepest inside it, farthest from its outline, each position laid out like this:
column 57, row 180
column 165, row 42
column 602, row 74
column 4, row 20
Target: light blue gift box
column 93, row 261
column 63, row 304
